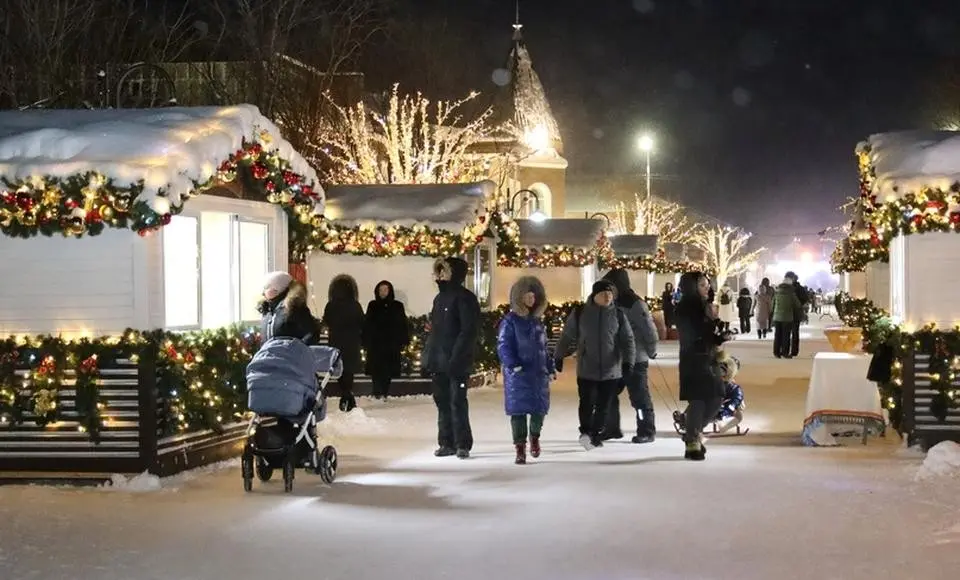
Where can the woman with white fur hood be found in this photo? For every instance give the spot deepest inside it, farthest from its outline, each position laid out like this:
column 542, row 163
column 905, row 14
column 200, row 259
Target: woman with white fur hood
column 527, row 368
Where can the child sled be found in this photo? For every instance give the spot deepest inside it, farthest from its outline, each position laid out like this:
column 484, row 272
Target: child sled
column 728, row 419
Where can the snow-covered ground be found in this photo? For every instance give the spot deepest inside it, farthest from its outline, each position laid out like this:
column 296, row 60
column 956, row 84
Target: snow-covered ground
column 760, row 507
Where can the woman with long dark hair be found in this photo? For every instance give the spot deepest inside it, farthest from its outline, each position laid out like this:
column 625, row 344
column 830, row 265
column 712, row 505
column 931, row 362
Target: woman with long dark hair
column 343, row 317
column 666, row 300
column 701, row 385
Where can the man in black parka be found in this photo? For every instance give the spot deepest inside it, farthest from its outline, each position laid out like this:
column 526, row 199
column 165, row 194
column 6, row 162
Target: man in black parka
column 449, row 354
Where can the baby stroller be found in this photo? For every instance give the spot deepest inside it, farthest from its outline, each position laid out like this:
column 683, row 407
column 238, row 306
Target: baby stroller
column 286, row 382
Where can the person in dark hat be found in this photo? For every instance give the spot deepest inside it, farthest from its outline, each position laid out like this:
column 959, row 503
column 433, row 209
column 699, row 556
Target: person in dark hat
column 600, row 335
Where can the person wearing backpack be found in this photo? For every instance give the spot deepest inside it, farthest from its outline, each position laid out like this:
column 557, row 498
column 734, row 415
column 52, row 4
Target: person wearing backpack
column 600, row 335
column 727, row 311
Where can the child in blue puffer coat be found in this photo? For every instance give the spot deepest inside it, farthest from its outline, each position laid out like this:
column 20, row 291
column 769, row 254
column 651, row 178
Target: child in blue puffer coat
column 527, row 369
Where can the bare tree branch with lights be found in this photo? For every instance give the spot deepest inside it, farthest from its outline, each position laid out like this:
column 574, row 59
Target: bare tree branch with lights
column 413, row 140
column 656, row 217
column 726, row 250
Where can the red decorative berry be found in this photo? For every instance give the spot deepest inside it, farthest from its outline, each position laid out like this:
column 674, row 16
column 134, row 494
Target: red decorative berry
column 93, row 216
column 255, row 149
column 955, row 217
column 25, row 201
column 270, row 186
column 259, row 171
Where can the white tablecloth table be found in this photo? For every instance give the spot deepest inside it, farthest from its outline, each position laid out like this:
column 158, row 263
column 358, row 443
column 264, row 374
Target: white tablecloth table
column 840, row 399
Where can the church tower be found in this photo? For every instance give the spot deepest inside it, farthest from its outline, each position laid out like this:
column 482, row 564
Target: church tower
column 535, row 141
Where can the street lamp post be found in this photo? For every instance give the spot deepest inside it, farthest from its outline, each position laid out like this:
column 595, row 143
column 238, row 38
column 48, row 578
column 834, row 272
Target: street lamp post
column 646, row 145
column 537, row 215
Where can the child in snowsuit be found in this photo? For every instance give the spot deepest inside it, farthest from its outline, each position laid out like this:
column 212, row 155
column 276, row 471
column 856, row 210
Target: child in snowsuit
column 527, row 368
column 733, row 403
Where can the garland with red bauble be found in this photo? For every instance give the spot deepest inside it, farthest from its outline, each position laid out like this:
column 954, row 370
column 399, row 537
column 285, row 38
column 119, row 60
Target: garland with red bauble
column 87, row 203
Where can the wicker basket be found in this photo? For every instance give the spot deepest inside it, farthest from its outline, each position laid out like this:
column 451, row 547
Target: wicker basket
column 845, row 338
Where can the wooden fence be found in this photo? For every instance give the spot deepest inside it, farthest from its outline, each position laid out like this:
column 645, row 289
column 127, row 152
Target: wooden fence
column 918, row 398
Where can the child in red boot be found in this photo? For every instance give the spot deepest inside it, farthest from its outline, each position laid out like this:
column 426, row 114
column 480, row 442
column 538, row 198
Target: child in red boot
column 527, row 368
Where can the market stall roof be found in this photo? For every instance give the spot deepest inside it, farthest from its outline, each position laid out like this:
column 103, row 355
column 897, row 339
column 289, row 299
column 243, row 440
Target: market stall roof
column 169, row 149
column 632, row 245
column 575, row 233
column 442, row 206
column 907, row 161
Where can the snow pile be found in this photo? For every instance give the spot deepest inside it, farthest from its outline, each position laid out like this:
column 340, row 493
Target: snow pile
column 356, row 422
column 169, row 149
column 943, row 460
column 448, row 206
column 910, row 160
column 143, row 482
column 147, row 482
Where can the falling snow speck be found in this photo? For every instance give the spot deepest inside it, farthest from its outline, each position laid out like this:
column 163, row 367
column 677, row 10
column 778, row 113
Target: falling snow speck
column 644, row 6
column 501, row 77
column 598, row 133
column 741, row 97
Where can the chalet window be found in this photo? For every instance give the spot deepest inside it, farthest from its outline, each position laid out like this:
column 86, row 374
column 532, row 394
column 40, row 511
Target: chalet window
column 214, row 266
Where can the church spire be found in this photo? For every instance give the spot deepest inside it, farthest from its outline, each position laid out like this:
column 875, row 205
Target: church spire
column 523, row 101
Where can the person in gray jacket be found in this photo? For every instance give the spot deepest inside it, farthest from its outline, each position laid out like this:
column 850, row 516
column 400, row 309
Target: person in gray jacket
column 600, row 335
column 636, row 383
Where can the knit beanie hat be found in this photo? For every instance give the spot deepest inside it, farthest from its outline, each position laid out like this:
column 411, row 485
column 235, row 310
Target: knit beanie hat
column 603, row 286
column 277, row 281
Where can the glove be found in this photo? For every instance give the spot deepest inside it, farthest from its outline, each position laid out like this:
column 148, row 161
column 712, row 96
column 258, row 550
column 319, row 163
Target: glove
column 558, row 364
column 627, row 368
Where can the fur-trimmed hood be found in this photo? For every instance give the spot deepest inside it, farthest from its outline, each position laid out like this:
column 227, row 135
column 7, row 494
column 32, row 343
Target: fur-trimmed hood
column 295, row 295
column 343, row 288
column 456, row 267
column 729, row 365
column 521, row 287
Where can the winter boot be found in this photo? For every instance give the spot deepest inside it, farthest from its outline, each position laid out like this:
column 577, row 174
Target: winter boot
column 759, row 334
column 588, row 442
column 535, row 446
column 347, row 403
column 695, row 451
column 521, row 454
column 444, row 452
column 463, row 454
column 645, row 438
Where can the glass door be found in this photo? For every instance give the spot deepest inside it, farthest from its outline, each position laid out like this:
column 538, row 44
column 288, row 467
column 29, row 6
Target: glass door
column 252, row 259
column 181, row 272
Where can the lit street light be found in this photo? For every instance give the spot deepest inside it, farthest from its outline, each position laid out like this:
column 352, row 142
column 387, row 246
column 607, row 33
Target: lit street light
column 646, row 145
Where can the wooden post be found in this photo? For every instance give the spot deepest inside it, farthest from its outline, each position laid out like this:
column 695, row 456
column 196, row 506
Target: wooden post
column 908, row 392
column 147, row 410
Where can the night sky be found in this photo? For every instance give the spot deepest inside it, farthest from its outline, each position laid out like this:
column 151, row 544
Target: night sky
column 757, row 105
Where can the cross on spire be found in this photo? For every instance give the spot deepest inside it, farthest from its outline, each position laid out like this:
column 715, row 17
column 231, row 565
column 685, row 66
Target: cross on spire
column 516, row 24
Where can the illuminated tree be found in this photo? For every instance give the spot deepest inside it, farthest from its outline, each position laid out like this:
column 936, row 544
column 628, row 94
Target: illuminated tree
column 726, row 250
column 412, row 141
column 655, row 217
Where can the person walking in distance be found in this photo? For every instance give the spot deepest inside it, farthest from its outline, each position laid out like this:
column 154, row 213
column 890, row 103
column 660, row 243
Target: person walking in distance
column 449, row 354
column 700, row 382
column 666, row 300
column 798, row 313
column 601, row 337
column 786, row 305
column 636, row 382
column 764, row 308
column 527, row 368
column 745, row 310
column 343, row 317
column 385, row 334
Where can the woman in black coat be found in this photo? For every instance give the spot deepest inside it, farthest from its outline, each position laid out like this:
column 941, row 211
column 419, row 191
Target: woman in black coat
column 385, row 334
column 700, row 380
column 343, row 317
column 666, row 300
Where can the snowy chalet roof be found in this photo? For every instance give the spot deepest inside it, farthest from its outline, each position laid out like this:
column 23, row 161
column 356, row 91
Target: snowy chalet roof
column 575, row 233
column 630, row 245
column 675, row 251
column 907, row 161
column 169, row 149
column 522, row 101
column 444, row 206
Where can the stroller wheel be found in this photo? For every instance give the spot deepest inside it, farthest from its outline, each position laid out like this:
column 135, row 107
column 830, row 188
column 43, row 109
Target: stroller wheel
column 289, row 470
column 264, row 471
column 327, row 466
column 246, row 470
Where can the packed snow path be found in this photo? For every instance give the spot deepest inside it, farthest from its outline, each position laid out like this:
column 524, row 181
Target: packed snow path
column 760, row 507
